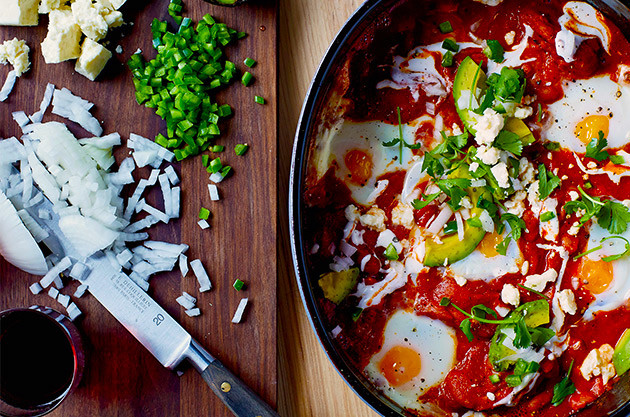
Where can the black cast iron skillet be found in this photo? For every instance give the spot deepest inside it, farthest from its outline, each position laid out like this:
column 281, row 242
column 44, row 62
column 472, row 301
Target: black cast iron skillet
column 615, row 403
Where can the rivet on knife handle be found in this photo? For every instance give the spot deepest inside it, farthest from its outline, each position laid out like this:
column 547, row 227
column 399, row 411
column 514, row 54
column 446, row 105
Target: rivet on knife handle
column 237, row 396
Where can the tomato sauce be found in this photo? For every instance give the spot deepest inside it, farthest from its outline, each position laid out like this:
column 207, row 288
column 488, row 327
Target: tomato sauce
column 467, row 386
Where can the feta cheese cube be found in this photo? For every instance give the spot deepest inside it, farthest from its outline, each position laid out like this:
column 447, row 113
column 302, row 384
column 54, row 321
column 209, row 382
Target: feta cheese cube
column 523, row 112
column 62, row 41
column 93, row 58
column 488, row 155
column 19, row 13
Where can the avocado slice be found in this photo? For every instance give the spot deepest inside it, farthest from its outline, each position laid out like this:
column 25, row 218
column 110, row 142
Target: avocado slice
column 469, row 77
column 621, row 357
column 337, row 285
column 535, row 313
column 452, row 249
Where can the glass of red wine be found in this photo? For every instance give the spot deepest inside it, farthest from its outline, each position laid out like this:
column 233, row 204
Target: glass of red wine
column 41, row 360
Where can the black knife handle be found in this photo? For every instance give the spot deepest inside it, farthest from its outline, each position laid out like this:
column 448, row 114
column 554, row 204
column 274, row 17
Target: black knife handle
column 237, row 396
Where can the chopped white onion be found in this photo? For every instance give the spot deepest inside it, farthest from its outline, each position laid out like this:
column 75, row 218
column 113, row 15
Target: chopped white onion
column 172, row 175
column 238, row 315
column 53, row 293
column 48, row 94
column 165, row 186
column 214, row 192
column 155, row 212
column 201, row 274
column 35, row 288
column 63, row 299
column 183, row 265
column 54, row 272
column 175, row 202
column 86, row 234
column 216, row 177
column 79, row 271
column 66, row 104
column 193, row 312
column 20, row 118
column 7, row 87
column 73, row 311
column 80, row 290
column 185, row 302
column 17, row 245
column 203, row 224
column 441, row 219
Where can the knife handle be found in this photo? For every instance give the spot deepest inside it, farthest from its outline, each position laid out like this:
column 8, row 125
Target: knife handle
column 237, row 396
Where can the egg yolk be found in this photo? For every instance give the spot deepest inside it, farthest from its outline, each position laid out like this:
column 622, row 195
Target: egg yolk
column 400, row 365
column 589, row 128
column 596, row 276
column 359, row 164
column 488, row 245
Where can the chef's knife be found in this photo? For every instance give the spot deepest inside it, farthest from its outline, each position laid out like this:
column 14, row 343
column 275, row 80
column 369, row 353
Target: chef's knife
column 152, row 325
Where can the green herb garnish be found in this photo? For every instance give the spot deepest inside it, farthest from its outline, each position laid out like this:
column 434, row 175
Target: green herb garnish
column 547, row 182
column 563, row 388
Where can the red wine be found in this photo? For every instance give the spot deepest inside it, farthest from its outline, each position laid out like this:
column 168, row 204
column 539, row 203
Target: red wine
column 37, row 360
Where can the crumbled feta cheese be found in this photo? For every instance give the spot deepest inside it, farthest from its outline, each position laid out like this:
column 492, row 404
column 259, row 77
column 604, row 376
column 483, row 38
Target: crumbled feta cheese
column 526, row 171
column 510, row 295
column 352, row 213
column 474, row 166
column 466, row 203
column 516, row 204
column 490, row 2
column 533, row 197
column 566, row 298
column 523, row 112
column 598, row 362
column 509, row 37
column 19, row 13
column 573, row 195
column 525, row 268
column 574, row 229
column 47, row 6
column 490, row 395
column 538, row 282
column 488, row 127
column 503, row 311
column 500, row 172
column 456, row 129
column 402, row 215
column 374, row 219
column 461, row 281
column 488, row 155
column 591, row 165
column 15, row 52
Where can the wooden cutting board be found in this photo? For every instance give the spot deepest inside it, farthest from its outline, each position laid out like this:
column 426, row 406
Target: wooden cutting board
column 121, row 378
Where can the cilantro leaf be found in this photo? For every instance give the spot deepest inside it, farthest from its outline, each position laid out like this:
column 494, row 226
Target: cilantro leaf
column 450, row 228
column 465, row 326
column 547, row 182
column 480, row 311
column 510, row 142
column 517, row 225
column 563, row 388
column 540, row 335
column 455, row 189
column 432, row 165
column 614, row 217
column 595, row 148
column 509, row 85
column 391, row 143
column 426, row 200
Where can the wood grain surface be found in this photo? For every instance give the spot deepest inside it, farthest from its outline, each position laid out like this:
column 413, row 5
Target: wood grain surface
column 309, row 384
column 121, row 377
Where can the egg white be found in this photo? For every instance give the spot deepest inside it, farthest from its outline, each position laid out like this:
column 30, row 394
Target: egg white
column 478, row 266
column 582, row 98
column 618, row 291
column 433, row 340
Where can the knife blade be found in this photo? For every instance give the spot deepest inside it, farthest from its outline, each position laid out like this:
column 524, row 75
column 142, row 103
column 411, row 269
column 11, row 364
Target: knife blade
column 151, row 325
